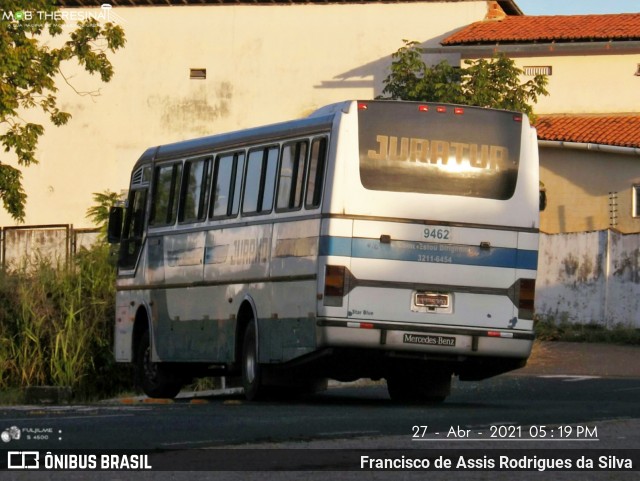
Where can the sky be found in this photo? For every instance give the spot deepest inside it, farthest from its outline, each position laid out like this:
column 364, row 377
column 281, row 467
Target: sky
column 577, row 7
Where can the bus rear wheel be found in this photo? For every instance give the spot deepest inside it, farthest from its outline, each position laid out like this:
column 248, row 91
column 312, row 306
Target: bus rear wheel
column 252, row 371
column 431, row 387
column 155, row 379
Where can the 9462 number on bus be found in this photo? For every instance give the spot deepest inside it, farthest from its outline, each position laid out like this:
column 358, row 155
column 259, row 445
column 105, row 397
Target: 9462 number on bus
column 437, row 233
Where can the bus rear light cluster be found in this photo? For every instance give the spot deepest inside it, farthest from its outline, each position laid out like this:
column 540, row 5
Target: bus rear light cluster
column 338, row 282
column 334, row 281
column 526, row 298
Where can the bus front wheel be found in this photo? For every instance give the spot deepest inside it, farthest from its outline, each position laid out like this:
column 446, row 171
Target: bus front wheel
column 155, row 379
column 252, row 372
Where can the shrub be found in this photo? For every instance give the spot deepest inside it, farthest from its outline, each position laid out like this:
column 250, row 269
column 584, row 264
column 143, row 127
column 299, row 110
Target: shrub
column 56, row 326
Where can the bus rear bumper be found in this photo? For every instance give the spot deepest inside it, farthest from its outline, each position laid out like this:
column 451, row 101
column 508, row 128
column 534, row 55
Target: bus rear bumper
column 446, row 342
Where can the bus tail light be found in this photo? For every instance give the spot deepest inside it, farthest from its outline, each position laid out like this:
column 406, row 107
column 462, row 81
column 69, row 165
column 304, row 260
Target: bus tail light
column 338, row 282
column 526, row 293
column 334, row 281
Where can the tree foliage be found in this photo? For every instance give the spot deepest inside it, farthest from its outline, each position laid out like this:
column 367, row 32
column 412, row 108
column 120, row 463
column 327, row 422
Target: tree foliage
column 485, row 83
column 29, row 69
column 99, row 212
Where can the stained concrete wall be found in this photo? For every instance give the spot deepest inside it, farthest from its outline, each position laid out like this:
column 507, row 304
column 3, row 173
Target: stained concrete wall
column 590, row 277
column 25, row 246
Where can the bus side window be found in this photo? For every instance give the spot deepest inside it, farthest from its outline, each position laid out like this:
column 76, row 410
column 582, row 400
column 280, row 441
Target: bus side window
column 291, row 177
column 259, row 183
column 222, row 185
column 315, row 179
column 227, row 182
column 193, row 204
column 133, row 231
column 164, row 206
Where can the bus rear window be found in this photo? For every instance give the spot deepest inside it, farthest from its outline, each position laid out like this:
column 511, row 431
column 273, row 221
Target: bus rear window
column 436, row 149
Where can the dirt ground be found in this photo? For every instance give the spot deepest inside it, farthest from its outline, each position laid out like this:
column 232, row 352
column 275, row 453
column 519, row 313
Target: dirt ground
column 583, row 359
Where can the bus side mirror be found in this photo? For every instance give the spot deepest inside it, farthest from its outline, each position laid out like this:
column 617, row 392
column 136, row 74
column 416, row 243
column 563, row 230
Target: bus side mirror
column 114, row 230
column 543, row 199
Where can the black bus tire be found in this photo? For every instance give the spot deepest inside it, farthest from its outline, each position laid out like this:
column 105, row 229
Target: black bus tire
column 155, row 379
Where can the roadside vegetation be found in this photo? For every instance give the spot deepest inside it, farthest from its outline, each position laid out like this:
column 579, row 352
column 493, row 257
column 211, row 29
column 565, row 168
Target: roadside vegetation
column 56, row 326
column 56, row 321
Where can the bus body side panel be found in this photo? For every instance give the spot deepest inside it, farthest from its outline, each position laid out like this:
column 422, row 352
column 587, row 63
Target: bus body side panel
column 186, row 329
column 288, row 331
column 128, row 301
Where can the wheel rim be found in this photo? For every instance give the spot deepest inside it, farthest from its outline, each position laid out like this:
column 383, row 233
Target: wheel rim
column 250, row 367
column 150, row 367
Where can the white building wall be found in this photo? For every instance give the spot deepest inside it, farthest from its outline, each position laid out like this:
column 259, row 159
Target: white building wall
column 589, row 84
column 264, row 64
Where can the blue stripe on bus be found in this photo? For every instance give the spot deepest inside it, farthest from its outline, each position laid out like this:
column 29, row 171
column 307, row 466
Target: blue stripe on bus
column 429, row 252
column 335, row 246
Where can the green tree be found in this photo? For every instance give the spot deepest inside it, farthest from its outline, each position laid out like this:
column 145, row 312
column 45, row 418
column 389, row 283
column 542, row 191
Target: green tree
column 99, row 212
column 29, row 69
column 485, row 83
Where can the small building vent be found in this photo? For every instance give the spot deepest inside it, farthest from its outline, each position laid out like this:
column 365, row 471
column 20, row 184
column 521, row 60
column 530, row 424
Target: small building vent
column 538, row 70
column 198, row 73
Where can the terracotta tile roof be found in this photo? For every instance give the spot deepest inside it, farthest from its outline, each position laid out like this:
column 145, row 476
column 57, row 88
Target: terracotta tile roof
column 558, row 28
column 620, row 130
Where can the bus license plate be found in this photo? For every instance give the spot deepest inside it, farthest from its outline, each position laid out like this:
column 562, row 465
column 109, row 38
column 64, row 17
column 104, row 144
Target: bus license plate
column 433, row 300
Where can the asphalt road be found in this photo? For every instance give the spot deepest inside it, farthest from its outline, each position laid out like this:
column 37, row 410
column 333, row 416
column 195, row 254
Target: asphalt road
column 342, row 412
column 591, row 388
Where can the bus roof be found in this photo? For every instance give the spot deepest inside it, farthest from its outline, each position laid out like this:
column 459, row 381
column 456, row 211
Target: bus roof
column 227, row 141
column 321, row 119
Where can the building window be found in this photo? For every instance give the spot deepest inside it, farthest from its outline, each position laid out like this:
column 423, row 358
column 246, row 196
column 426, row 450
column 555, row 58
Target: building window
column 538, row 70
column 635, row 202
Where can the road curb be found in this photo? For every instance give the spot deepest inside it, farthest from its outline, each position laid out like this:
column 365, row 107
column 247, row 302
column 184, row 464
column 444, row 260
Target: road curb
column 193, row 397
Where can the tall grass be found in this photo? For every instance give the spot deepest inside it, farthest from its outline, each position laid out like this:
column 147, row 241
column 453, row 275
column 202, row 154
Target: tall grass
column 56, row 325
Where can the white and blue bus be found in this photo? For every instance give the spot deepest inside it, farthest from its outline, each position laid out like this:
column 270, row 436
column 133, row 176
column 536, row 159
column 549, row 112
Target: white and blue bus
column 372, row 239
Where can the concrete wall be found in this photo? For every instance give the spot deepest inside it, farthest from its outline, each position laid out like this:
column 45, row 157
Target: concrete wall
column 265, row 63
column 590, row 277
column 25, row 246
